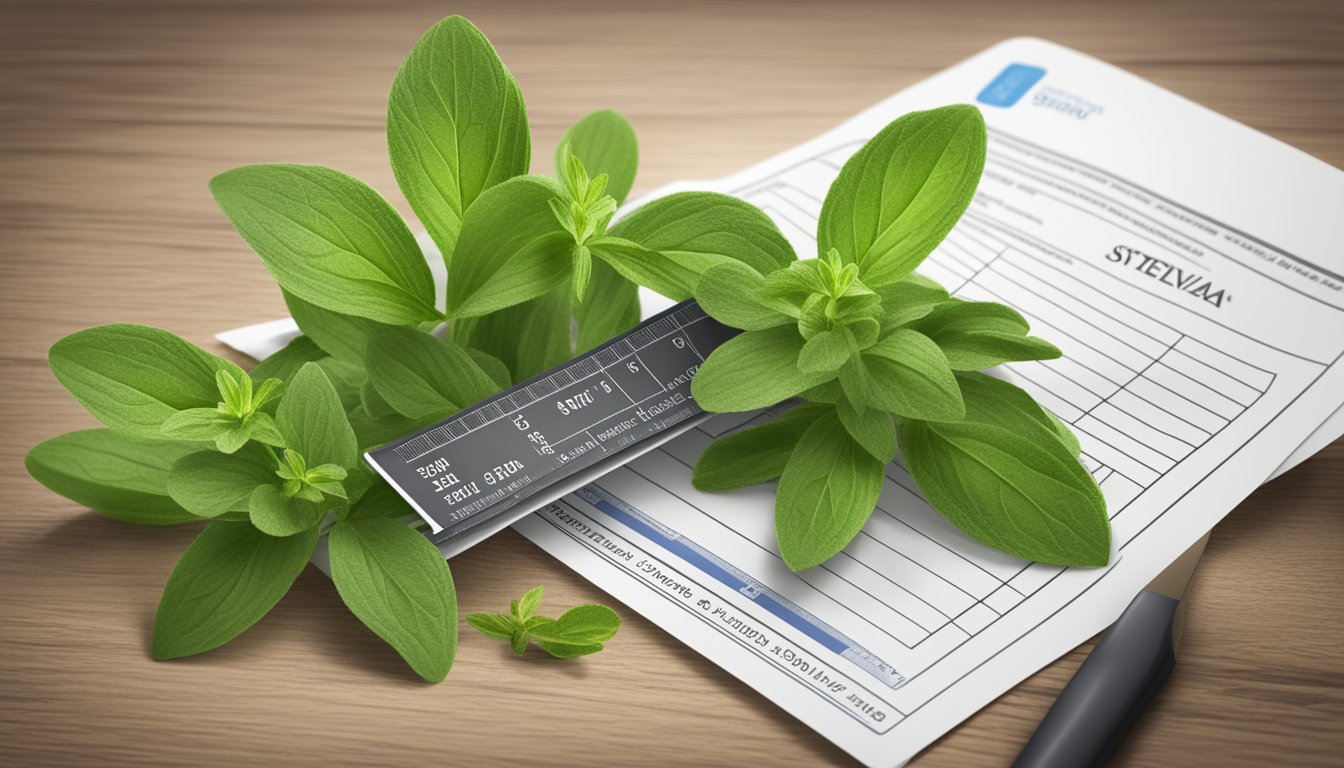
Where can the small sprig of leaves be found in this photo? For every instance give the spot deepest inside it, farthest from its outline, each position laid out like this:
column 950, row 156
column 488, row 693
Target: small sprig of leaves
column 887, row 363
column 579, row 631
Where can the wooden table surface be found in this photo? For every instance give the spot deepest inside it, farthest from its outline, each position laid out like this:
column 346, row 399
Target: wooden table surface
column 113, row 115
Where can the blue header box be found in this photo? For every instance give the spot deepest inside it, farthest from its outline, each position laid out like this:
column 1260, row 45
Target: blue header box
column 1011, row 84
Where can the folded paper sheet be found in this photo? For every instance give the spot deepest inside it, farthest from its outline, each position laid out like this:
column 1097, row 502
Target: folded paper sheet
column 1176, row 257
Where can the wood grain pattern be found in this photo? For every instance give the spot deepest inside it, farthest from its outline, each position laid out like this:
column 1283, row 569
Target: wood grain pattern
column 114, row 115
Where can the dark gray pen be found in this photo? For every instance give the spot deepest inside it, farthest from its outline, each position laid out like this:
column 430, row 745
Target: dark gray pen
column 1117, row 679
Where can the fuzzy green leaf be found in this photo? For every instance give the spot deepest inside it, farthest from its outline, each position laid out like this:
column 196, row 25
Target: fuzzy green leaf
column 699, row 229
column 133, row 377
column 730, row 293
column 209, row 483
column 229, row 577
column 511, row 248
column 121, row 476
column 313, row 422
column 982, row 334
column 275, row 514
column 909, row 376
column 827, row 351
column 827, row 491
column 491, row 366
column 910, row 299
column 424, row 378
column 652, row 269
column 399, row 585
column 753, row 370
column 900, row 195
column 1027, row 497
column 329, row 239
column 529, row 337
column 380, row 500
column 578, row 632
column 610, row 308
column 284, row 364
column 873, row 429
column 456, row 125
column 493, row 624
column 604, row 141
column 753, row 455
column 529, row 602
column 342, row 336
column 999, row 403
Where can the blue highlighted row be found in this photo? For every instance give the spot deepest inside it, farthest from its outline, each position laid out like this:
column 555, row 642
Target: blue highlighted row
column 723, row 572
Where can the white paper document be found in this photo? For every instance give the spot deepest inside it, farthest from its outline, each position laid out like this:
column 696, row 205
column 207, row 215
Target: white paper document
column 1190, row 271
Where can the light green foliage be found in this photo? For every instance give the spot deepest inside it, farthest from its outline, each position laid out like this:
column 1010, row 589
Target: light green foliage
column 580, row 631
column 237, row 418
column 456, row 126
column 119, row 475
column 829, row 487
column 539, row 268
column 900, row 195
column 886, row 356
column 133, row 378
column 399, row 585
column 230, row 576
column 330, row 240
column 605, row 142
column 270, row 459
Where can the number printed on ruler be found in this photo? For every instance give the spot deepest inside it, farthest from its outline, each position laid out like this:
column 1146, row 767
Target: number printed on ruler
column 489, row 457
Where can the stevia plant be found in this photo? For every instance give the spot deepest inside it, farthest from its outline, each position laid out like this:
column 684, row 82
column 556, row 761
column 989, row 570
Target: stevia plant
column 885, row 362
column 268, row 459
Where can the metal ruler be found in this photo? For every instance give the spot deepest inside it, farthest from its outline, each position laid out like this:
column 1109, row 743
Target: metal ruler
column 492, row 463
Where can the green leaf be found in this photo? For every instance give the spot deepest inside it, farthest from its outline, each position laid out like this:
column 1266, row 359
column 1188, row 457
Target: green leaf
column 982, row 334
column 203, row 425
column 900, row 195
column 229, row 577
column 277, row 515
column 610, row 308
column 510, row 249
column 1029, row 498
column 209, row 483
column 649, row 268
column 284, row 364
column 529, row 337
column 909, row 376
column 529, row 603
column 605, row 142
column 910, row 299
column 399, row 585
column 827, row 351
column 121, row 476
column 730, row 293
column 491, row 366
column 873, row 429
column 829, row 488
column 997, row 402
column 494, row 624
column 579, row 631
column 313, row 422
column 342, row 336
column 422, row 377
column 754, row 455
column 699, row 229
column 371, row 431
column 380, row 500
column 330, row 240
column 753, row 370
column 456, row 125
column 133, row 377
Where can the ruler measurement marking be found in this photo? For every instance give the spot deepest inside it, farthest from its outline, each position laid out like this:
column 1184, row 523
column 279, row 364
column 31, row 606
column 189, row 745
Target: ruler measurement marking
column 534, row 397
column 492, row 476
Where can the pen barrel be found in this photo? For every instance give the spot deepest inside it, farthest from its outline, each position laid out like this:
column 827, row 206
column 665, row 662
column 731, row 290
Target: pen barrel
column 1109, row 690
